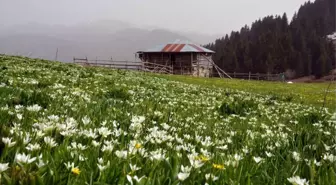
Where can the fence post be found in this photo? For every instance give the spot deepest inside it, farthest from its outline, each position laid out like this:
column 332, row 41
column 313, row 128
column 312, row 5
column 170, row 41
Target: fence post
column 234, row 74
column 258, row 76
column 250, row 75
column 282, row 75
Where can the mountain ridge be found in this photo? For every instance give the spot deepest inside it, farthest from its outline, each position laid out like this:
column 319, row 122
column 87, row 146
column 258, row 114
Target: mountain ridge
column 103, row 39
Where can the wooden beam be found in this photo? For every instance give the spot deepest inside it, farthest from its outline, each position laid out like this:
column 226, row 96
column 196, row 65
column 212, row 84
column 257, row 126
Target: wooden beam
column 181, row 66
column 198, row 69
column 191, row 64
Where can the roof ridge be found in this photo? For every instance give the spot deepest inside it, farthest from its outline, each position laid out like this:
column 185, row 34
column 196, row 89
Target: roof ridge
column 180, row 46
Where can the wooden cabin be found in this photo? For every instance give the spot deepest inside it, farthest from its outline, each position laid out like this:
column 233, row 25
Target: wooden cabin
column 179, row 57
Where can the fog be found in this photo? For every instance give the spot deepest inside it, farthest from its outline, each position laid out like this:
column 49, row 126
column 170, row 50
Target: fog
column 207, row 17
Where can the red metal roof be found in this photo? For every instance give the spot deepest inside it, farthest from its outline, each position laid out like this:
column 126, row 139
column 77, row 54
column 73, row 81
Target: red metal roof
column 179, row 46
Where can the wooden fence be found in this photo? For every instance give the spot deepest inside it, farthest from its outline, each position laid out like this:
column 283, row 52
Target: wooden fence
column 158, row 68
column 258, row 76
column 109, row 63
column 138, row 66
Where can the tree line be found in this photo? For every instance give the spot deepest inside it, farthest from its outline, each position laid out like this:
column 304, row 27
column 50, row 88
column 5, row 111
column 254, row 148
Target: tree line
column 275, row 45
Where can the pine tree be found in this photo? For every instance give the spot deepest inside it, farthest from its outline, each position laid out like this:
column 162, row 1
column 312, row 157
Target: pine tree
column 273, row 44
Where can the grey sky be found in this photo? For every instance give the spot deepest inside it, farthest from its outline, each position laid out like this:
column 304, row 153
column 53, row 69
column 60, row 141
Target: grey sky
column 204, row 16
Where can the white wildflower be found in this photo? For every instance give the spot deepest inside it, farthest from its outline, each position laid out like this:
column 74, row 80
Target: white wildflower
column 258, row 159
column 69, row 165
column 33, row 147
column 184, row 174
column 269, row 154
column 86, row 120
column 104, row 132
column 50, row 141
column 237, row 157
column 40, row 164
column 102, row 167
column 34, row 108
column 24, row 159
column 108, row 147
column 157, row 155
column 329, row 157
column 298, row 181
column 134, row 168
column 121, row 154
column 26, row 139
column 296, row 156
column 211, row 176
column 95, row 143
column 136, row 178
column 8, row 142
column 3, row 167
column 19, row 116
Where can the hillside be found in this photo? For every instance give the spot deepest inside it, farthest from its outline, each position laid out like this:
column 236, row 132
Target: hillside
column 103, row 39
column 67, row 124
column 274, row 44
column 314, row 94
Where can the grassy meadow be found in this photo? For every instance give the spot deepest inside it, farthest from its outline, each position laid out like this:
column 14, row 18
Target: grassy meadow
column 67, row 124
column 316, row 94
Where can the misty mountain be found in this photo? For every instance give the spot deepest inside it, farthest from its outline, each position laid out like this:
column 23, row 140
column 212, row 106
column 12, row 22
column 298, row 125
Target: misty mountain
column 199, row 38
column 102, row 39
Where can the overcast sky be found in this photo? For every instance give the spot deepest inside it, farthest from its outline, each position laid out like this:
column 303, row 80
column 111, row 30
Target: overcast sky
column 203, row 16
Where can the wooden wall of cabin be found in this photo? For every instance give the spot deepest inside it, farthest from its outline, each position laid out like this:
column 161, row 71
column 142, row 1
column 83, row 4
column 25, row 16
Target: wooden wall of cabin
column 182, row 63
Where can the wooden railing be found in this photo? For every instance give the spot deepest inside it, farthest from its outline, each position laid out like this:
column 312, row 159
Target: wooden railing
column 166, row 69
column 257, row 76
column 109, row 63
column 139, row 66
column 157, row 68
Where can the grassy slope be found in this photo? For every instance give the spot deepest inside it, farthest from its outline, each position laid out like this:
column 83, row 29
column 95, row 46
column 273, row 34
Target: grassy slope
column 306, row 93
column 257, row 124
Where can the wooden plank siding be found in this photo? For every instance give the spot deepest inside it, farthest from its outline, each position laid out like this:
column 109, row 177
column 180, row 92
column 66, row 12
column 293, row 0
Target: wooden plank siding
column 181, row 63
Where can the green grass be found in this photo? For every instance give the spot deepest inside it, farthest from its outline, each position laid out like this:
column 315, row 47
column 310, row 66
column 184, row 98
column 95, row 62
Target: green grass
column 67, row 124
column 316, row 94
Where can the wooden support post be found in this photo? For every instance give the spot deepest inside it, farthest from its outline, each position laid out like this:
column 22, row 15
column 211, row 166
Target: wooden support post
column 198, row 67
column 170, row 63
column 181, row 66
column 191, row 64
column 208, row 69
column 249, row 75
column 56, row 54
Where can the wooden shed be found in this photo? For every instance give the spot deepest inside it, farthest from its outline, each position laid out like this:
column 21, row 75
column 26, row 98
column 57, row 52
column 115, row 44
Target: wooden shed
column 181, row 57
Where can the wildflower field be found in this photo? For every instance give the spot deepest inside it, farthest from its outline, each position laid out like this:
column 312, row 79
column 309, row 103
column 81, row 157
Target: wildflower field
column 67, row 124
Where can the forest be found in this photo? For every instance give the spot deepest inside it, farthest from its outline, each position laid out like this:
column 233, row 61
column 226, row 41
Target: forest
column 275, row 44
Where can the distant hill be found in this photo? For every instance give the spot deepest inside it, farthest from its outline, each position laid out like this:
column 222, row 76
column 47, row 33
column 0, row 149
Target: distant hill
column 103, row 39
